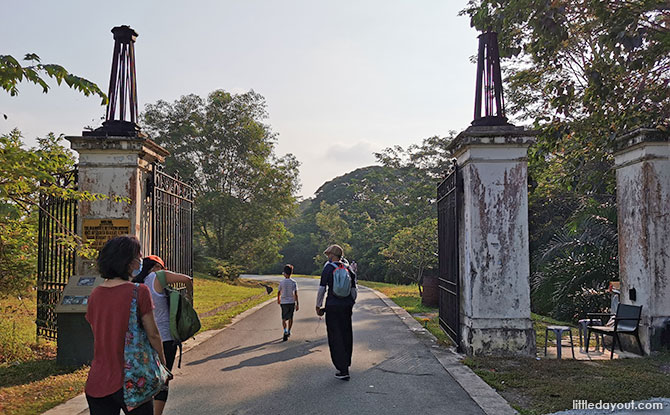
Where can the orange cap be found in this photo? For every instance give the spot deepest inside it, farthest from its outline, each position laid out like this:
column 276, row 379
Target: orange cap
column 157, row 259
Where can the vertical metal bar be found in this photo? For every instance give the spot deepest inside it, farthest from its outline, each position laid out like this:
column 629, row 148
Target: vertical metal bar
column 122, row 86
column 133, row 84
column 497, row 76
column 40, row 258
column 480, row 74
column 154, row 222
column 111, row 105
column 190, row 221
column 57, row 257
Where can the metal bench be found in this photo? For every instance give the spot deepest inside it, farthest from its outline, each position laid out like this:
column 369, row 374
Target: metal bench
column 626, row 321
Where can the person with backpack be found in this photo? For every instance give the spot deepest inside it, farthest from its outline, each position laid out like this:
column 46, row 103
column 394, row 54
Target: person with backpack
column 339, row 282
column 148, row 276
column 287, row 298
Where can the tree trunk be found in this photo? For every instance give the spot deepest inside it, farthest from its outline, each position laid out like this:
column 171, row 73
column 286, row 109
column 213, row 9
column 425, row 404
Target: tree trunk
column 419, row 280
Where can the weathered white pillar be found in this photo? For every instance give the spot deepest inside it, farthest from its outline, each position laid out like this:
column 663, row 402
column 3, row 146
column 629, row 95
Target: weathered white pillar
column 642, row 163
column 493, row 240
column 117, row 167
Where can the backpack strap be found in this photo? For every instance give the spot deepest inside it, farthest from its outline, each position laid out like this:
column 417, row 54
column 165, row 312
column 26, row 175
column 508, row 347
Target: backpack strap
column 162, row 279
column 180, row 352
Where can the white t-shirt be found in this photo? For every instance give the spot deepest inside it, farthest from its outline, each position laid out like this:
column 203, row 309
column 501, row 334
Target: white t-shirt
column 287, row 290
column 161, row 310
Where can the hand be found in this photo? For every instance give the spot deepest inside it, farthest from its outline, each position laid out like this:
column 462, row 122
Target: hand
column 319, row 311
column 297, row 307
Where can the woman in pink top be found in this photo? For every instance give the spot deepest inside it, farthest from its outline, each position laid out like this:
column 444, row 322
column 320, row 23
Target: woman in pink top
column 108, row 313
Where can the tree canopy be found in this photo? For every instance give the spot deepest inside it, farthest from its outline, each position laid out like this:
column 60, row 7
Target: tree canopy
column 366, row 208
column 25, row 174
column 12, row 73
column 244, row 191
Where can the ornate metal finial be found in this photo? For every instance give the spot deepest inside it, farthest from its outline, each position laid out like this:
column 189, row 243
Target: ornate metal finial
column 122, row 88
column 489, row 83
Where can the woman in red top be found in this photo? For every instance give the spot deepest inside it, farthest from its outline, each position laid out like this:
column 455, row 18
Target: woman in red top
column 108, row 313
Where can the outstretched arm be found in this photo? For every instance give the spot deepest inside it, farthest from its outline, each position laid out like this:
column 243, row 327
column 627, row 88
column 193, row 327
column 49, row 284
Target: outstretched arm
column 175, row 277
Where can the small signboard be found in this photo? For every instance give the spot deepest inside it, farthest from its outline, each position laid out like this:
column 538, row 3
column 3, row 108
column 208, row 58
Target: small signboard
column 76, row 293
column 101, row 230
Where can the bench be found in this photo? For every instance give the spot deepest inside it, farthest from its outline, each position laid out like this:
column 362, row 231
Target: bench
column 626, row 321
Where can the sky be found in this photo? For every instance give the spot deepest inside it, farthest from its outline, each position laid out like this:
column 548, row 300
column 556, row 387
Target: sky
column 342, row 79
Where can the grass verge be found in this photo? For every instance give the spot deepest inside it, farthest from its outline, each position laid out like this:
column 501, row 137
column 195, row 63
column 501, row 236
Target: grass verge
column 31, row 381
column 211, row 293
column 407, row 297
column 543, row 386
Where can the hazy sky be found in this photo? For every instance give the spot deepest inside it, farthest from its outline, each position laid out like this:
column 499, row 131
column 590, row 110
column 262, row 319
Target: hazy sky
column 342, row 79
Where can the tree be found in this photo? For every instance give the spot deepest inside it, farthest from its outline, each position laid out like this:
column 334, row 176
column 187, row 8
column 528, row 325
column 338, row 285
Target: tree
column 12, row 73
column 332, row 230
column 582, row 72
column 25, row 173
column 573, row 270
column 375, row 203
column 244, row 192
column 413, row 250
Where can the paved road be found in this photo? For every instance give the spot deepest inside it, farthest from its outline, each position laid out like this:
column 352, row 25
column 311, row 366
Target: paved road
column 247, row 369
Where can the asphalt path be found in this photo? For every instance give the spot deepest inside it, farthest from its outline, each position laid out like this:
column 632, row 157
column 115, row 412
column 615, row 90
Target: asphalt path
column 247, row 369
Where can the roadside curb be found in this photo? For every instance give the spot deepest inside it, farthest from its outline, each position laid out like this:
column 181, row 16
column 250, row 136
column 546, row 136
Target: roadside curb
column 78, row 404
column 485, row 396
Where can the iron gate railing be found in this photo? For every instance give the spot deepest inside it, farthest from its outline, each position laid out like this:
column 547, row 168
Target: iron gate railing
column 55, row 261
column 172, row 220
column 447, row 231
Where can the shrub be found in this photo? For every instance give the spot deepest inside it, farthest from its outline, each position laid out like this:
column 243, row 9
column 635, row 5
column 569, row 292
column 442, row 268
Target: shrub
column 573, row 270
column 585, row 300
column 227, row 271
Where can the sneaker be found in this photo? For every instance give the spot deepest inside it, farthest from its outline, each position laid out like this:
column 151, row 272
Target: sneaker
column 342, row 375
column 285, row 337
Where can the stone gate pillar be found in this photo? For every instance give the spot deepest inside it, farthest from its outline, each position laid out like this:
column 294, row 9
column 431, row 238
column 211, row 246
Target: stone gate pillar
column 118, row 167
column 493, row 240
column 115, row 160
column 642, row 163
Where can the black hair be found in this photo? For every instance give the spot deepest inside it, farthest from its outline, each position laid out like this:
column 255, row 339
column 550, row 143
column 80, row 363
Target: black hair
column 147, row 266
column 288, row 269
column 117, row 254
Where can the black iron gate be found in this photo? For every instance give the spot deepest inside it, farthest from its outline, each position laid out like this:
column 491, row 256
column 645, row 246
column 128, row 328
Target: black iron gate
column 172, row 220
column 447, row 231
column 55, row 260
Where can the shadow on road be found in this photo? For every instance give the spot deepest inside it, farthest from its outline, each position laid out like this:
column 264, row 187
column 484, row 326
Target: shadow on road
column 233, row 352
column 297, row 351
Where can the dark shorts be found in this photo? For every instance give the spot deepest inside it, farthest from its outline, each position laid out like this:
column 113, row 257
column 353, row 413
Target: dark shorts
column 287, row 311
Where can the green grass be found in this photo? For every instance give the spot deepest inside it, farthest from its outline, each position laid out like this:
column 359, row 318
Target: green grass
column 536, row 387
column 407, row 297
column 37, row 386
column 548, row 385
column 31, row 381
column 18, row 340
column 313, row 277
